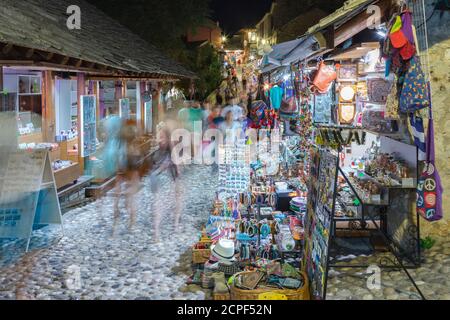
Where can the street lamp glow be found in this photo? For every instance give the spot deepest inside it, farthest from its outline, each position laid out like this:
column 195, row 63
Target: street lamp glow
column 224, row 38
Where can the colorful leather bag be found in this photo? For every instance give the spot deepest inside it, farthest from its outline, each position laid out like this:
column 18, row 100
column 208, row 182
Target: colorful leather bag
column 324, row 77
column 429, row 186
column 258, row 111
column 414, row 95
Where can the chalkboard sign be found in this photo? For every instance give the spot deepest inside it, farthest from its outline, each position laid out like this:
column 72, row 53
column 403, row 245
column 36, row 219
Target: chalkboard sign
column 124, row 110
column 319, row 219
column 88, row 125
column 28, row 193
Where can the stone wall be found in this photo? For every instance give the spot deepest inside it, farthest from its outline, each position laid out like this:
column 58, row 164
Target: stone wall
column 439, row 42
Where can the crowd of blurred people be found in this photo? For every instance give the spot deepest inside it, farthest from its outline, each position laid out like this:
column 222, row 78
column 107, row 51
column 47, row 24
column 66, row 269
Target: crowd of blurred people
column 229, row 112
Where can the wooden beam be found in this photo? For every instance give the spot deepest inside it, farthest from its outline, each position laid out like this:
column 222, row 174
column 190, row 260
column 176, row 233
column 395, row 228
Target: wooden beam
column 142, row 89
column 81, row 89
column 1, row 78
column 48, row 107
column 131, row 78
column 8, row 63
column 79, row 63
column 65, row 60
column 7, row 48
column 49, row 56
column 29, row 53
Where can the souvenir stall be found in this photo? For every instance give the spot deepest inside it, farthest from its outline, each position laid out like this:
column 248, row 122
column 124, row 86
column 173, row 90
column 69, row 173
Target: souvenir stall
column 66, row 167
column 250, row 247
column 122, row 102
column 27, row 97
column 24, row 88
column 368, row 106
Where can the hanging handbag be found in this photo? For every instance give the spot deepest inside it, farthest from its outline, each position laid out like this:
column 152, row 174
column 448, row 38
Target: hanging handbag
column 414, row 95
column 429, row 186
column 378, row 90
column 392, row 104
column 289, row 106
column 324, row 77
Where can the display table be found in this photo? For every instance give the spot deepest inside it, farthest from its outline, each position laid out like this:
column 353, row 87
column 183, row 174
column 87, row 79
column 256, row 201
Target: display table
column 67, row 176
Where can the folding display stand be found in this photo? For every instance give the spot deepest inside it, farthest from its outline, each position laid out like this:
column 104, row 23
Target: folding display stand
column 319, row 219
column 28, row 194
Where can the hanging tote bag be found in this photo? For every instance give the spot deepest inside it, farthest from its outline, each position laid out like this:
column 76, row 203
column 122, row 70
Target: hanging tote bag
column 429, row 186
column 289, row 106
column 414, row 95
column 392, row 103
column 324, row 77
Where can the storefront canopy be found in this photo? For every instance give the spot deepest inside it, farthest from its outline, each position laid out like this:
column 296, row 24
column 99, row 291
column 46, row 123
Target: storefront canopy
column 285, row 53
column 36, row 32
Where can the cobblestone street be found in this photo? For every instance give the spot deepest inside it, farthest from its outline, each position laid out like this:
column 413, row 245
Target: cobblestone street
column 432, row 278
column 134, row 265
column 130, row 265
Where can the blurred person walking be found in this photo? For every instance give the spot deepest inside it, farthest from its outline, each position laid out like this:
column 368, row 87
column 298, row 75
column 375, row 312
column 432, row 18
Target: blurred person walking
column 162, row 163
column 128, row 176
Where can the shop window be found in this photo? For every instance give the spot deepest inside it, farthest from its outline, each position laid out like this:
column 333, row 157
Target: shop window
column 132, row 95
column 111, row 105
column 30, row 103
column 8, row 102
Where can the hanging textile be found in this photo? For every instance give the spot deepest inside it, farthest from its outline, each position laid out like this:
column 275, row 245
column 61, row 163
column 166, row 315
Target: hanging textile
column 418, row 132
column 429, row 186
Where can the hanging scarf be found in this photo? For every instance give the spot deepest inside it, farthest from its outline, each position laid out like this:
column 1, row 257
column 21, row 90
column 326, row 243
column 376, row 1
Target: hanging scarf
column 418, row 132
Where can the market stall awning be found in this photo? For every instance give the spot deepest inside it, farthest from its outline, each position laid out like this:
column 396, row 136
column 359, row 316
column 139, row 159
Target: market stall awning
column 285, row 53
column 269, row 68
column 344, row 13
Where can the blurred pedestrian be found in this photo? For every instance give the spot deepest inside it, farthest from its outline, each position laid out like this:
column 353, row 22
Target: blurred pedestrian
column 230, row 128
column 128, row 176
column 215, row 118
column 162, row 159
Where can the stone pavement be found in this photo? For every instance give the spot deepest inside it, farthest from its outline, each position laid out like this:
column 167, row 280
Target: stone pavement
column 128, row 265
column 135, row 265
column 432, row 278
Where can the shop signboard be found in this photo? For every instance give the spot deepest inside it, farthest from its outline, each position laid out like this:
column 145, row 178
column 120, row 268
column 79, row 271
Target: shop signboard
column 88, row 125
column 319, row 219
column 124, row 110
column 28, row 195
